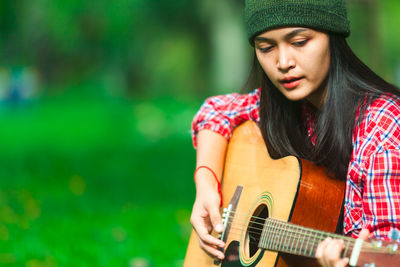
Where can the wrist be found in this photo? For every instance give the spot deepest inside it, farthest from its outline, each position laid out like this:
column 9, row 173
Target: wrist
column 204, row 178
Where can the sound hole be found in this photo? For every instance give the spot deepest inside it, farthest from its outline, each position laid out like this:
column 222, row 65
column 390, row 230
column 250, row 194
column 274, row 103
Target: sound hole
column 255, row 228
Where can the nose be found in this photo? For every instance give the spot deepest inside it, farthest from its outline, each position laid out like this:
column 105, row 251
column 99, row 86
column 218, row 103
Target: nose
column 285, row 60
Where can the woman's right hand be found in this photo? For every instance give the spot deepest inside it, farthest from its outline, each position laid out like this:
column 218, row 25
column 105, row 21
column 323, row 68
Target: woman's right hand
column 211, row 149
column 205, row 214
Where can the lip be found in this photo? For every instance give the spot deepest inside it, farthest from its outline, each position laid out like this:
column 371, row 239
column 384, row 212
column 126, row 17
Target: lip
column 291, row 82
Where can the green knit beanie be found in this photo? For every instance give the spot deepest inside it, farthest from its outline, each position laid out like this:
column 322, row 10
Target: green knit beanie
column 328, row 15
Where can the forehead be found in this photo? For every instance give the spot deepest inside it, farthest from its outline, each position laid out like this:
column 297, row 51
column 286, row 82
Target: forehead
column 286, row 31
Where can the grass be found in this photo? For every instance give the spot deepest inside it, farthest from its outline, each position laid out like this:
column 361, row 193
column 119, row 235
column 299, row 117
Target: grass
column 95, row 182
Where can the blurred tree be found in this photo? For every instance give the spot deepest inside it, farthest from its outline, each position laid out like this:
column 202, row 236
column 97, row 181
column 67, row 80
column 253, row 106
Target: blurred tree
column 158, row 47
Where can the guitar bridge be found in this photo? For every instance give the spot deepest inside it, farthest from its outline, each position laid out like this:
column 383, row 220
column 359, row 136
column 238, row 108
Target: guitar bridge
column 227, row 217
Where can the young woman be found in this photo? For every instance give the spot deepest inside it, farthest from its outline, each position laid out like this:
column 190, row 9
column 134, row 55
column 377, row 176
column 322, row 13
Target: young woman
column 316, row 101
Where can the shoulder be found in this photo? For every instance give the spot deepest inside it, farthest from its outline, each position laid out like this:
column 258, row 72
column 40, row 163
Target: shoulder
column 380, row 126
column 384, row 111
column 254, row 95
column 233, row 101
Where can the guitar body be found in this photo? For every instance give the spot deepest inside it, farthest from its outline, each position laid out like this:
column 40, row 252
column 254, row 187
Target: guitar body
column 286, row 189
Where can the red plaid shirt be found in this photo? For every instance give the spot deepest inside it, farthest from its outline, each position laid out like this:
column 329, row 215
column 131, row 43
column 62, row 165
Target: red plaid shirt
column 373, row 179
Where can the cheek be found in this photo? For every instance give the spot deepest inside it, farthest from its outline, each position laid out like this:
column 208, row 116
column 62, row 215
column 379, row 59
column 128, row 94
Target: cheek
column 272, row 75
column 268, row 68
column 319, row 66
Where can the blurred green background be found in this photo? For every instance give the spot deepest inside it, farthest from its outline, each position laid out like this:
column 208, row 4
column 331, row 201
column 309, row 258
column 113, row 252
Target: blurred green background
column 96, row 100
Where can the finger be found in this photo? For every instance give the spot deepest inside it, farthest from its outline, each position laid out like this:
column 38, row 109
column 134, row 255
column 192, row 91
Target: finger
column 211, row 250
column 201, row 228
column 364, row 234
column 320, row 251
column 342, row 262
column 332, row 252
column 216, row 219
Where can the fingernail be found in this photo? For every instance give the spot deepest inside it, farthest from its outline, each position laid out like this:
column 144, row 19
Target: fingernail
column 219, row 228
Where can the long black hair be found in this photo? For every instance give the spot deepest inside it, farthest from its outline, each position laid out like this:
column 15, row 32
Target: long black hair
column 351, row 87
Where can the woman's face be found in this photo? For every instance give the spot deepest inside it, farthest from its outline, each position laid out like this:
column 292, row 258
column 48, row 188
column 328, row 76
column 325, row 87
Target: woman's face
column 296, row 60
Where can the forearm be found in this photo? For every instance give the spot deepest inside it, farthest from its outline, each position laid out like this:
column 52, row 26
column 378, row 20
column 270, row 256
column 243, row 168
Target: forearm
column 205, row 214
column 211, row 149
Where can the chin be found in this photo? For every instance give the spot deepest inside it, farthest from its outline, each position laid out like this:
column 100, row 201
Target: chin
column 295, row 96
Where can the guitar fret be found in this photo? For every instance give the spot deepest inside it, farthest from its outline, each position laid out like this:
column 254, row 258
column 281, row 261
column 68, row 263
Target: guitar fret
column 313, row 242
column 282, row 239
column 261, row 241
column 303, row 250
column 292, row 244
column 267, row 232
column 347, row 248
column 308, row 241
column 282, row 235
column 268, row 235
column 315, row 245
column 265, row 236
column 302, row 241
column 297, row 243
column 287, row 237
column 276, row 238
column 273, row 235
column 294, row 239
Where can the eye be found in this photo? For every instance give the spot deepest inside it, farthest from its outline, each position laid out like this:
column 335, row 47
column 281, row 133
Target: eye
column 265, row 49
column 300, row 43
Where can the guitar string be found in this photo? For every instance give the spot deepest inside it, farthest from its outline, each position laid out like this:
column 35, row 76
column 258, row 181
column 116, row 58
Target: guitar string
column 271, row 219
column 367, row 247
column 314, row 245
column 283, row 232
column 290, row 229
column 309, row 247
column 241, row 215
column 283, row 223
column 289, row 233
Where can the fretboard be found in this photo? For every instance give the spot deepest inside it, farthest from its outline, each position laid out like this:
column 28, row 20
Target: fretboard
column 294, row 239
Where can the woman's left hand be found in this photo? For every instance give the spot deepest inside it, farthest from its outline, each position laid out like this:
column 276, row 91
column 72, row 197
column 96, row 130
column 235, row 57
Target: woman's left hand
column 329, row 250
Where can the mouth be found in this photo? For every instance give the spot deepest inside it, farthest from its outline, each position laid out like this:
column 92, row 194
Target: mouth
column 291, row 82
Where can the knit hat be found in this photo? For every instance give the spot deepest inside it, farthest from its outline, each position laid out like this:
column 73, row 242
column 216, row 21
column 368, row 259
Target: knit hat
column 329, row 15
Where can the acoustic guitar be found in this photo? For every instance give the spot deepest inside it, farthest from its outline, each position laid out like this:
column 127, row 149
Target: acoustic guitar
column 276, row 212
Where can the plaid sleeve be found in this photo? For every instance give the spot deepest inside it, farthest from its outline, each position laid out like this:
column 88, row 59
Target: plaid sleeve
column 223, row 113
column 373, row 182
column 381, row 198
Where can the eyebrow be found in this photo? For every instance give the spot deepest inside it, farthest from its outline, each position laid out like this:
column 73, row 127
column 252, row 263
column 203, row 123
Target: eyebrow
column 287, row 36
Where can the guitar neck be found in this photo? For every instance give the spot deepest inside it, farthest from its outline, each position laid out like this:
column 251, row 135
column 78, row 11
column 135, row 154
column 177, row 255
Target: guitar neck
column 294, row 239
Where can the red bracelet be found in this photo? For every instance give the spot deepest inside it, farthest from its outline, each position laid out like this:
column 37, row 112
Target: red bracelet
column 216, row 179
